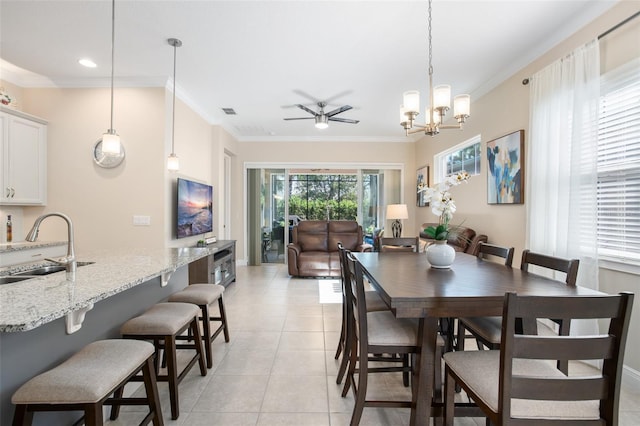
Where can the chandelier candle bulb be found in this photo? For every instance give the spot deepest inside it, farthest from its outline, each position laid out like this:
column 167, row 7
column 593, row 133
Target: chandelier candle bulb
column 461, row 106
column 442, row 96
column 411, row 101
column 403, row 116
column 436, row 116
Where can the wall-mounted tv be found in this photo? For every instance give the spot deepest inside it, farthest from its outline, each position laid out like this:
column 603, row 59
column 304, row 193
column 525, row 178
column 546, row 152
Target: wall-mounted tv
column 195, row 208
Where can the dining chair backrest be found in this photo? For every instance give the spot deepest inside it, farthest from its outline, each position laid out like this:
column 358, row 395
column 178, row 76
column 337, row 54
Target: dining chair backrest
column 491, row 249
column 343, row 264
column 347, row 306
column 411, row 244
column 606, row 348
column 356, row 297
column 568, row 266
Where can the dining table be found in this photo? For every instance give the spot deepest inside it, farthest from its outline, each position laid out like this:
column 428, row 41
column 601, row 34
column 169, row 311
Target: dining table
column 470, row 287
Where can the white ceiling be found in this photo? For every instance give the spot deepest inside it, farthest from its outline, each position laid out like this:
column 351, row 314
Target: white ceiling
column 263, row 57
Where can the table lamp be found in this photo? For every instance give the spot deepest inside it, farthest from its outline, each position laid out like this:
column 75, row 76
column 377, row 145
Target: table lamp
column 396, row 212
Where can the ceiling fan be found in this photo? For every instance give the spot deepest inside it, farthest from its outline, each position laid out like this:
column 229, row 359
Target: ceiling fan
column 322, row 118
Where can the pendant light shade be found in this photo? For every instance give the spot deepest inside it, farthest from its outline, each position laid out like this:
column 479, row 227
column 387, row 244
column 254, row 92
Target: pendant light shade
column 110, row 139
column 173, row 163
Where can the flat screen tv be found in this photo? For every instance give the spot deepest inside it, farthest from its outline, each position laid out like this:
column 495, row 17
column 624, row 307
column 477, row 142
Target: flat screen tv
column 195, row 208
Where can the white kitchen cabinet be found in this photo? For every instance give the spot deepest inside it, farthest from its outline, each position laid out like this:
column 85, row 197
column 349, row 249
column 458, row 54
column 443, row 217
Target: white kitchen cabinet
column 23, row 156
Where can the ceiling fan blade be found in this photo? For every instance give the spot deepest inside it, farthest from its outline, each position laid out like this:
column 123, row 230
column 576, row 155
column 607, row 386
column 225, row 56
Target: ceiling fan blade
column 304, row 108
column 338, row 95
column 344, row 120
column 300, row 118
column 339, row 110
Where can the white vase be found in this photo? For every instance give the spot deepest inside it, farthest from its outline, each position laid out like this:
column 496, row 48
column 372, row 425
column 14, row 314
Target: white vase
column 440, row 254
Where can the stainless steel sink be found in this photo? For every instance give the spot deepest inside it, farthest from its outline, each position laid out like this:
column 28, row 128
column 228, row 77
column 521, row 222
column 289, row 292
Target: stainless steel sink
column 46, row 270
column 12, row 279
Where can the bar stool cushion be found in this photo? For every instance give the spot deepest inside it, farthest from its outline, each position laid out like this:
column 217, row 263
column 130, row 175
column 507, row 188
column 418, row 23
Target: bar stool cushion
column 198, row 294
column 161, row 319
column 87, row 376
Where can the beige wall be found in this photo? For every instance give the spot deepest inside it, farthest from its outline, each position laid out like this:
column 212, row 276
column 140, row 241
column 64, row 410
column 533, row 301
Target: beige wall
column 101, row 202
column 506, row 109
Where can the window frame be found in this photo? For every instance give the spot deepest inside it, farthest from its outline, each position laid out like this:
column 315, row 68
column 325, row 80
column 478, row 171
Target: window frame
column 619, row 260
column 440, row 159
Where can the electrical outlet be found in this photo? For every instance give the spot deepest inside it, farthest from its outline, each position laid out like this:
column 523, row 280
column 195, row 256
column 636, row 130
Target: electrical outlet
column 141, row 220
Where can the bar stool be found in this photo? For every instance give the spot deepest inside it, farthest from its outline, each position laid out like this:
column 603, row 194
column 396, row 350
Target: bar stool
column 162, row 323
column 204, row 295
column 85, row 381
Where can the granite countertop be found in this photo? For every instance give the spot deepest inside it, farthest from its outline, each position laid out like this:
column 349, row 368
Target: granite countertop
column 30, row 303
column 26, row 245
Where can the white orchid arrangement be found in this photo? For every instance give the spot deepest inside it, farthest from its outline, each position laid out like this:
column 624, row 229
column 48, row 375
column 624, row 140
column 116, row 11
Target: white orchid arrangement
column 442, row 203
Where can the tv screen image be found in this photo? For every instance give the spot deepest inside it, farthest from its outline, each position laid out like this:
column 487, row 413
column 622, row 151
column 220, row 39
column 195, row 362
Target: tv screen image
column 195, row 208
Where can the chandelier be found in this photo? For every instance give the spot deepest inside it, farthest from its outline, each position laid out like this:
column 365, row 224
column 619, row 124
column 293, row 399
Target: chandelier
column 439, row 104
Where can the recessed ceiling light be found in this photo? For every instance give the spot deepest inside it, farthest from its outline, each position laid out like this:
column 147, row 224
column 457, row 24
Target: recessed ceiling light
column 87, row 63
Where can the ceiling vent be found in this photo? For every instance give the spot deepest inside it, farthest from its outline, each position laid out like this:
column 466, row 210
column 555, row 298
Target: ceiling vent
column 229, row 111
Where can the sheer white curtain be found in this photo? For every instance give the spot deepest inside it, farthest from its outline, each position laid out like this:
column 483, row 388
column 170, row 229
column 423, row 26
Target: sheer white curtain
column 561, row 166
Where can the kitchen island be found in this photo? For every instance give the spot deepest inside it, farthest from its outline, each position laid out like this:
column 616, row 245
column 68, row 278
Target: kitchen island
column 116, row 286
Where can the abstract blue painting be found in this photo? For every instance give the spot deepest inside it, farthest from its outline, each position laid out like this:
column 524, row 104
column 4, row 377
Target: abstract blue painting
column 505, row 173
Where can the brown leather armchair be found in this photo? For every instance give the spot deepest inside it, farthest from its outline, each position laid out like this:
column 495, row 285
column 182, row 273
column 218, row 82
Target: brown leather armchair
column 313, row 251
column 463, row 239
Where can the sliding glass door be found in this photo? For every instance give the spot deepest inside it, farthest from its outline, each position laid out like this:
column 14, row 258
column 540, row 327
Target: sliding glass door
column 287, row 196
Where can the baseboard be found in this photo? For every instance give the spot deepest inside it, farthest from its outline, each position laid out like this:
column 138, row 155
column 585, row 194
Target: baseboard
column 631, row 379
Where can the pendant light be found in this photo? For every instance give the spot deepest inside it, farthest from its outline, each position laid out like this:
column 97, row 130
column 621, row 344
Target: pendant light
column 173, row 163
column 110, row 139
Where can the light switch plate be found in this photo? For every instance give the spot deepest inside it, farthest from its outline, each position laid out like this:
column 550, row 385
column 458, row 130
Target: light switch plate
column 141, row 220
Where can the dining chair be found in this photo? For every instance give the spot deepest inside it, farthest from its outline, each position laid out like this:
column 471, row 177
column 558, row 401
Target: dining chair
column 374, row 303
column 487, row 330
column 518, row 385
column 411, row 244
column 478, row 323
column 376, row 333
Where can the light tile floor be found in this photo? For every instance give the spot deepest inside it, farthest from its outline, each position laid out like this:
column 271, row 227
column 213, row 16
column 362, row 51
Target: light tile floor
column 279, row 367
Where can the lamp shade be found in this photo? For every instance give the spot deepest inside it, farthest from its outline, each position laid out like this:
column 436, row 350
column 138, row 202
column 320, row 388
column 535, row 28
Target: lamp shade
column 436, row 116
column 411, row 101
column 442, row 96
column 111, row 143
column 173, row 163
column 397, row 211
column 461, row 105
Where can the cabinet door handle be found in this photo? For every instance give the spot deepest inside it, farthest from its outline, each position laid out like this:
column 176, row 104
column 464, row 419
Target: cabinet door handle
column 8, row 192
column 13, row 192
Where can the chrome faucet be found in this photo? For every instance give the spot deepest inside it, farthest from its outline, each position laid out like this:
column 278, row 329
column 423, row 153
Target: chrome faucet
column 70, row 259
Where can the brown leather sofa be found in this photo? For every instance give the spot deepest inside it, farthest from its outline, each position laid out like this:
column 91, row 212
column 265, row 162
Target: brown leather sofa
column 313, row 251
column 462, row 239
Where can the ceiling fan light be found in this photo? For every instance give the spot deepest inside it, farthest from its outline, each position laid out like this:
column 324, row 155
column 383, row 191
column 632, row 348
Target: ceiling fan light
column 321, row 122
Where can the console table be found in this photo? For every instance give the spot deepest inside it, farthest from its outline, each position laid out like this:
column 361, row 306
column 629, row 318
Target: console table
column 217, row 268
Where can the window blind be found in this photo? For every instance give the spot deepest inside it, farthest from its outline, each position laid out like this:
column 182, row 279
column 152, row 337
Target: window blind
column 619, row 165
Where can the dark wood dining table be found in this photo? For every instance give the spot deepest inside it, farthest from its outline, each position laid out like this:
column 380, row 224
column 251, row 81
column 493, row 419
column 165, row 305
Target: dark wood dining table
column 471, row 287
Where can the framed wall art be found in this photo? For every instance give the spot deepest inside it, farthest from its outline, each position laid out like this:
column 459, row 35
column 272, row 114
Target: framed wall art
column 422, row 181
column 505, row 174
